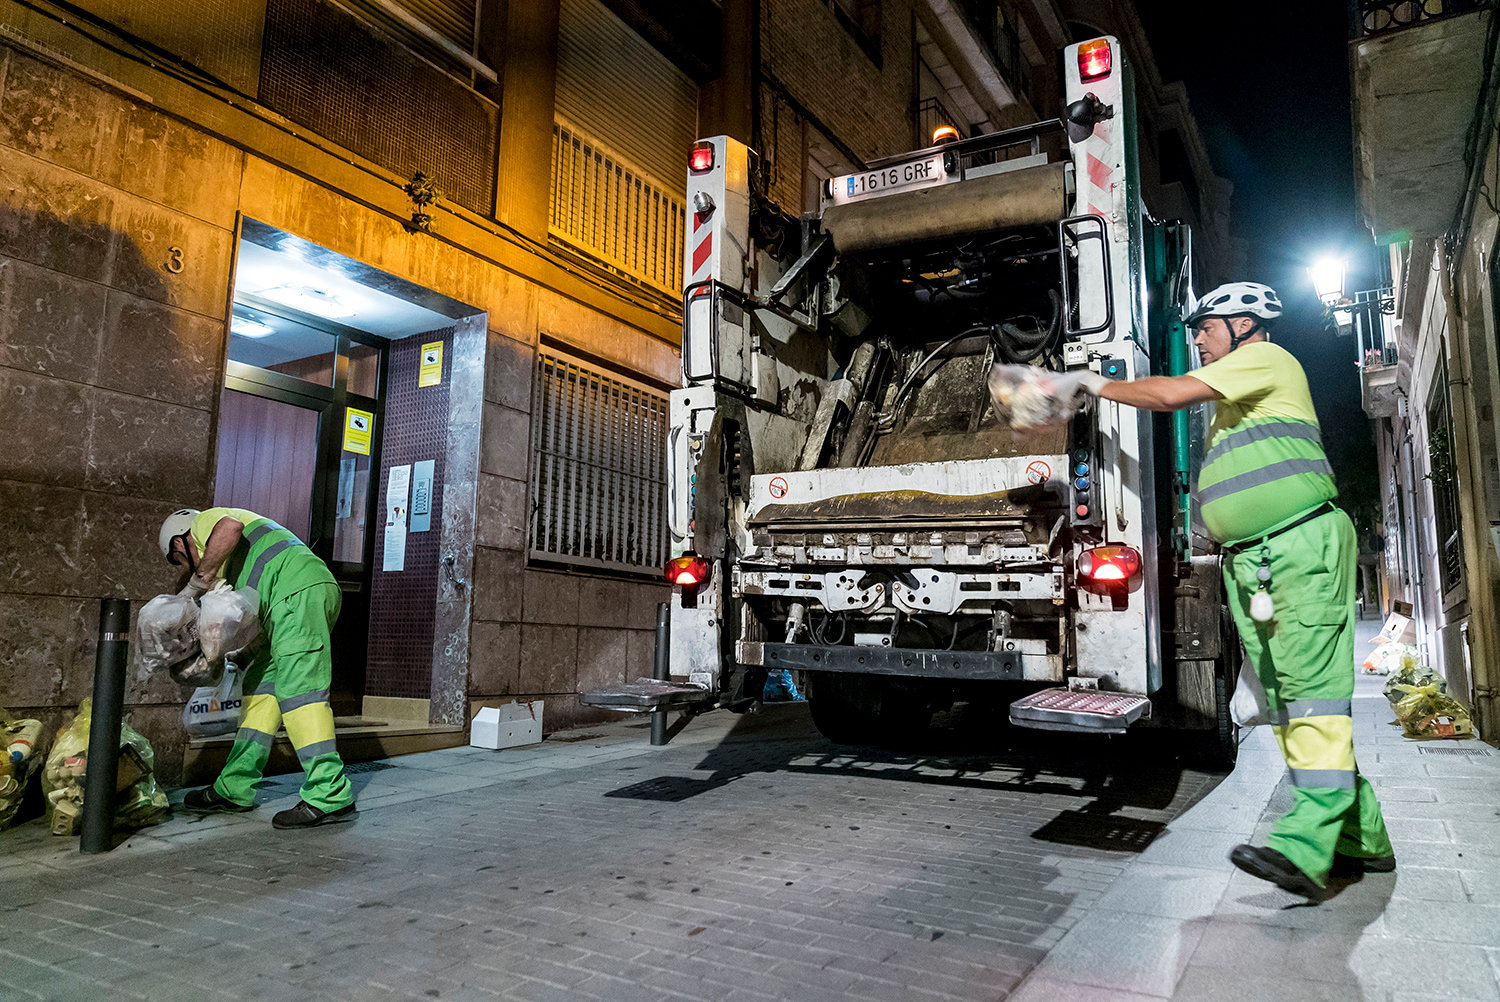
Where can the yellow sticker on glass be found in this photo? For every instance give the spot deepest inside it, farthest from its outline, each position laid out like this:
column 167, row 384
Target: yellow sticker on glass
column 432, row 364
column 358, row 426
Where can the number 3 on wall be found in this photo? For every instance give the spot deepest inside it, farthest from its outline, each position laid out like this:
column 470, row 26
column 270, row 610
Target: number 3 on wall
column 174, row 259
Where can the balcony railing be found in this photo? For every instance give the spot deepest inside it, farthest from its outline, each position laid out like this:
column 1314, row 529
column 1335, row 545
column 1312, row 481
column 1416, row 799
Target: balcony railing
column 930, row 114
column 1374, row 17
column 609, row 210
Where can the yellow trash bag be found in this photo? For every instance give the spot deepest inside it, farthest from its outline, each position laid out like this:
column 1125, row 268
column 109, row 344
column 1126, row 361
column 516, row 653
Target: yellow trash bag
column 1408, row 674
column 139, row 802
column 1425, row 711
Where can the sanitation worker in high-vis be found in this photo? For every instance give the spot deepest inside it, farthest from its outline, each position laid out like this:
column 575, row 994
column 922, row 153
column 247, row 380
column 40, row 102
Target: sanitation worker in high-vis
column 1266, row 494
column 287, row 680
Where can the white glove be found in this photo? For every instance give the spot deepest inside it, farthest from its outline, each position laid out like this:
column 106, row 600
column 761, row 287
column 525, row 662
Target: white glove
column 194, row 588
column 1092, row 382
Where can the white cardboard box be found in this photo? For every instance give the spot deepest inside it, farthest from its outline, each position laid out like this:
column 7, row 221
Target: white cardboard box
column 507, row 726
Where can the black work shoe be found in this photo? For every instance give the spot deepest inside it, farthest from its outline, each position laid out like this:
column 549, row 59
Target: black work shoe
column 207, row 800
column 1268, row 864
column 1348, row 866
column 305, row 815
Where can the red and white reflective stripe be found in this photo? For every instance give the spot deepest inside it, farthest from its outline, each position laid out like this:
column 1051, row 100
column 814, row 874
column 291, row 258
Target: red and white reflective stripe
column 701, row 265
column 1104, row 171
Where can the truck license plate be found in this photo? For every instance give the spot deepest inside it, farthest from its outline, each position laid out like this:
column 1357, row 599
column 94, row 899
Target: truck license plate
column 917, row 174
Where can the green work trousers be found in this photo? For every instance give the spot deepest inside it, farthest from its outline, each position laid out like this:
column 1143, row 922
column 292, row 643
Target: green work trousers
column 287, row 685
column 1305, row 660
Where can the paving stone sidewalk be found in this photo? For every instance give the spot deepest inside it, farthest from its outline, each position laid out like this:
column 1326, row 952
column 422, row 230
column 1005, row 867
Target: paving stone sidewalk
column 1181, row 924
column 750, row 859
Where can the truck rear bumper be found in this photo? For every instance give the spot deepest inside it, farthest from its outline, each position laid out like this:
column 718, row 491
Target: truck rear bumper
column 1008, row 666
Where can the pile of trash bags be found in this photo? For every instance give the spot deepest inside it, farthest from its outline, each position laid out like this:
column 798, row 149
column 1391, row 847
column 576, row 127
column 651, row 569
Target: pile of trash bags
column 139, row 801
column 1419, row 698
column 193, row 638
column 20, row 754
column 1029, row 398
column 1391, row 657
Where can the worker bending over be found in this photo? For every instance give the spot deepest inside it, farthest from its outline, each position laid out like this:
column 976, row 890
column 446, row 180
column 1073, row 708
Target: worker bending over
column 288, row 678
column 1266, row 493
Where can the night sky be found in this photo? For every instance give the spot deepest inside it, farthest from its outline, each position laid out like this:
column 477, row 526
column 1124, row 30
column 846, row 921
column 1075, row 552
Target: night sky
column 1273, row 107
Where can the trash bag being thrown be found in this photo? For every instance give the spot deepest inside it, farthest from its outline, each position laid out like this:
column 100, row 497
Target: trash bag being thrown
column 139, row 801
column 1028, row 398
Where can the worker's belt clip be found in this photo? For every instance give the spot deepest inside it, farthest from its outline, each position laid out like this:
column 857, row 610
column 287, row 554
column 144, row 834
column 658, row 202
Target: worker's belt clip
column 1318, row 512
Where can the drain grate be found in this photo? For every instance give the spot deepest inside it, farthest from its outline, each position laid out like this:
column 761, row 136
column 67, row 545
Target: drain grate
column 1430, row 750
column 357, row 767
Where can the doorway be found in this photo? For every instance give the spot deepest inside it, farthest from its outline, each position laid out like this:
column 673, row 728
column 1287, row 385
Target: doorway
column 299, row 431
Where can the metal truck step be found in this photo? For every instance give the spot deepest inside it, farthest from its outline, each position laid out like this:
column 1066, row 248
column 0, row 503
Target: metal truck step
column 1085, row 710
column 646, row 694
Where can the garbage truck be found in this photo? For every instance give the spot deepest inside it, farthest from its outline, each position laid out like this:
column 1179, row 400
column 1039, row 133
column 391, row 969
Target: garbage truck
column 845, row 503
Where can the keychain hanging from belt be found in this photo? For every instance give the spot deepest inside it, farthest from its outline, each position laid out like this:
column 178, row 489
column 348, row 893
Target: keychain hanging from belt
column 1262, row 608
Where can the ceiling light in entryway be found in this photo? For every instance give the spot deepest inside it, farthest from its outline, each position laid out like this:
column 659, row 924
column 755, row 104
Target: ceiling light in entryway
column 308, row 301
column 245, row 327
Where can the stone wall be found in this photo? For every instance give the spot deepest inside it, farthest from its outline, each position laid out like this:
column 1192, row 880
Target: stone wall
column 116, row 240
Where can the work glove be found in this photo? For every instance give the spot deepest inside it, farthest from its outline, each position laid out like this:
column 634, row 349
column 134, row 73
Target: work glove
column 195, row 588
column 1091, row 382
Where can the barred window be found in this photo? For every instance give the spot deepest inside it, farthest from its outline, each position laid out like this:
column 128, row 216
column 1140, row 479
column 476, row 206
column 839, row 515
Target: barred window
column 598, row 474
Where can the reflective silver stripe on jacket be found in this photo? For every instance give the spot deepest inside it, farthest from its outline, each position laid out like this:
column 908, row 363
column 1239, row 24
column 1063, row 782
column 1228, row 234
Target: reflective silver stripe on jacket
column 1261, row 432
column 259, row 567
column 1325, row 779
column 1259, row 478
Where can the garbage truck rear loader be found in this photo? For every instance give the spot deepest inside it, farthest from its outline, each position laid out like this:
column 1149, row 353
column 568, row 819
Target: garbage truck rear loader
column 844, row 501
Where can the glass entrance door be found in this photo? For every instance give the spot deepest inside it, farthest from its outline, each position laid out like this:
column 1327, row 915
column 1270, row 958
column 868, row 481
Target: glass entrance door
column 299, row 436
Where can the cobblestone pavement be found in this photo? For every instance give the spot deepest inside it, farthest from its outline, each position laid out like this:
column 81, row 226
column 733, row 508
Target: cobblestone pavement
column 750, row 859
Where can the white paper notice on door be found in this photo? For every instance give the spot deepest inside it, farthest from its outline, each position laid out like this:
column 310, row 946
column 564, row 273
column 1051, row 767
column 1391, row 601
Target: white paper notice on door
column 397, row 491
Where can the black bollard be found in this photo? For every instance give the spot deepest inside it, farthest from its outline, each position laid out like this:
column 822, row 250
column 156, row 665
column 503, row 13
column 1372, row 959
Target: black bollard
column 660, row 668
column 104, row 728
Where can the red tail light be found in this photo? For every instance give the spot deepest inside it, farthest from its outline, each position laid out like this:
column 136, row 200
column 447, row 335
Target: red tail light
column 1094, row 60
column 689, row 571
column 1109, row 564
column 702, row 158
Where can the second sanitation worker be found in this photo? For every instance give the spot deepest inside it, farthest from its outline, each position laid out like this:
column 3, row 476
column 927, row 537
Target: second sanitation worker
column 287, row 680
column 1266, row 493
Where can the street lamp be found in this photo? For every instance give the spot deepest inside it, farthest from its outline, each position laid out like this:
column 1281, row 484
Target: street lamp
column 1328, row 280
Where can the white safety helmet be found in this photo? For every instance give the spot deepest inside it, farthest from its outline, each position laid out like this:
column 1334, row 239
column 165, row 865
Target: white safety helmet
column 1237, row 299
column 177, row 523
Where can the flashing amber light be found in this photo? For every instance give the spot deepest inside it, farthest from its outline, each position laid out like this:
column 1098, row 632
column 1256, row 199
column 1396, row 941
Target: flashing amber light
column 1094, row 60
column 1109, row 564
column 702, row 158
column 945, row 134
column 688, row 570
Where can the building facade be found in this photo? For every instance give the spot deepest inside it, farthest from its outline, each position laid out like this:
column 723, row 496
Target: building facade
column 1425, row 128
column 405, row 275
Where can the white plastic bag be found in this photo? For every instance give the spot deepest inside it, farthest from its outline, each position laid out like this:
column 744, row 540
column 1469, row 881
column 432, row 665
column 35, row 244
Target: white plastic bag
column 198, row 672
column 168, row 627
column 1250, row 706
column 228, row 620
column 215, row 709
column 1029, row 398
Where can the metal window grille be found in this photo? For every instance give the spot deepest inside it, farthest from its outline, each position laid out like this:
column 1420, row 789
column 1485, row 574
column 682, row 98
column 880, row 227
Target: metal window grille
column 613, row 212
column 598, row 477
